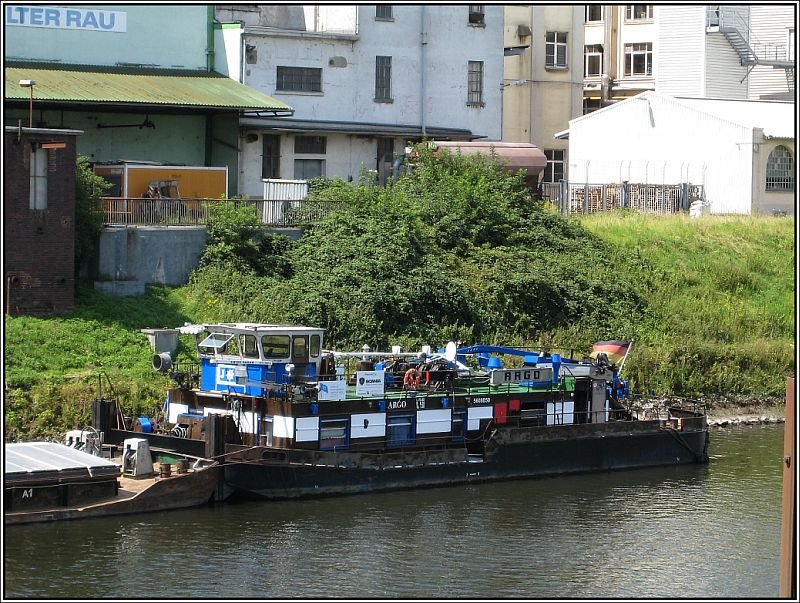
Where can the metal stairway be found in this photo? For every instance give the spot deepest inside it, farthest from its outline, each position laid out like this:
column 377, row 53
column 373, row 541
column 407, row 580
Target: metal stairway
column 750, row 51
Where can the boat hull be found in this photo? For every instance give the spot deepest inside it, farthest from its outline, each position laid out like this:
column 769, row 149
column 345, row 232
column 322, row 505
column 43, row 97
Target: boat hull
column 508, row 454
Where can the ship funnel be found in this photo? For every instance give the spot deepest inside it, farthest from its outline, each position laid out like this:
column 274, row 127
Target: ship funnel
column 162, row 362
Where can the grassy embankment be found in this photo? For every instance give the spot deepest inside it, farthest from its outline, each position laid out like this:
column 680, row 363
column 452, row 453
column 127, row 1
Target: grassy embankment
column 720, row 320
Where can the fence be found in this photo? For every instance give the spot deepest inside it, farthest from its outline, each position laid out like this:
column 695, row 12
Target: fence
column 119, row 211
column 575, row 198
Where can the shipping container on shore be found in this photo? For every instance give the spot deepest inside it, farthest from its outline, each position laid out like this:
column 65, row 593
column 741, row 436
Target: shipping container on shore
column 132, row 180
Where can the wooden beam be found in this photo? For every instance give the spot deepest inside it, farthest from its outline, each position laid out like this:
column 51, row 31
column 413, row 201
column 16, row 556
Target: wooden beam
column 788, row 575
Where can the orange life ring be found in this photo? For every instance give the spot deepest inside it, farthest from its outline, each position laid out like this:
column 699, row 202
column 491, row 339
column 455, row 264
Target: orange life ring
column 411, row 378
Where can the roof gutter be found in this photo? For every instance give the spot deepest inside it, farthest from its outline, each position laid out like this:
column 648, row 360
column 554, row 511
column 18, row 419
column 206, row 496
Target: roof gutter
column 210, row 38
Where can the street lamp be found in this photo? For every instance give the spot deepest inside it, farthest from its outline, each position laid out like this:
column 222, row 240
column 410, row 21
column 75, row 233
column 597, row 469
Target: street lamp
column 29, row 84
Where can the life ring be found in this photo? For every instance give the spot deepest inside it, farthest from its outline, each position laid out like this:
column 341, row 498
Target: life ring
column 411, row 379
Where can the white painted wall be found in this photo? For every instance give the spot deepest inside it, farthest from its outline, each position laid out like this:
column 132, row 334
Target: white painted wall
column 437, row 100
column 680, row 43
column 655, row 140
column 770, row 25
column 156, row 35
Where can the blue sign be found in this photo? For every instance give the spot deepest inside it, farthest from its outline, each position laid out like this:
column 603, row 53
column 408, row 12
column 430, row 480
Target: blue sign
column 54, row 17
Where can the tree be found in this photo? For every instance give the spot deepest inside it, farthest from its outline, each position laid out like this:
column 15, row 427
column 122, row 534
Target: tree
column 89, row 220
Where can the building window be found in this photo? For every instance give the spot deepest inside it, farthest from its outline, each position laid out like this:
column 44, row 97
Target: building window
column 594, row 13
column 639, row 59
column 333, row 433
column 638, row 12
column 400, row 430
column 790, row 45
column 266, row 431
column 556, row 50
column 310, row 145
column 780, row 170
column 383, row 12
column 592, row 60
column 591, row 104
column 383, row 79
column 476, row 14
column 38, row 181
column 299, row 79
column 554, row 172
column 271, row 156
column 475, row 84
column 385, row 152
column 306, row 169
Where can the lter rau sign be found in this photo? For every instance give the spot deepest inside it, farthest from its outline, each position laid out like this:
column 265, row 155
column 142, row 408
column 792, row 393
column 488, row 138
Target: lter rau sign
column 84, row 19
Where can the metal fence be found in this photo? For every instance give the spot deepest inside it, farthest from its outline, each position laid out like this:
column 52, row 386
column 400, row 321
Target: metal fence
column 576, row 198
column 119, row 211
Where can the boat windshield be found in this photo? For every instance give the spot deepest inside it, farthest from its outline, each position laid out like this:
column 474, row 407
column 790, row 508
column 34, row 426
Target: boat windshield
column 215, row 341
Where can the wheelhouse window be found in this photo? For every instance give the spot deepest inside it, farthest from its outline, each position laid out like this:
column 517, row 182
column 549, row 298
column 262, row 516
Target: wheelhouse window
column 475, row 84
column 333, row 434
column 638, row 12
column 593, row 60
column 780, row 170
column 400, row 430
column 38, row 179
column 249, row 346
column 299, row 79
column 554, row 171
column 275, row 346
column 476, row 14
column 594, row 13
column 383, row 12
column 639, row 59
column 315, row 345
column 219, row 343
column 383, row 79
column 556, row 50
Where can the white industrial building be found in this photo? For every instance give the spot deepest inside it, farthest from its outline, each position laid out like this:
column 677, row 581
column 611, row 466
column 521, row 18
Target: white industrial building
column 742, row 152
column 363, row 80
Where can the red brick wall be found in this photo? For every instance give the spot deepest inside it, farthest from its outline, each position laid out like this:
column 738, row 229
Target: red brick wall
column 38, row 245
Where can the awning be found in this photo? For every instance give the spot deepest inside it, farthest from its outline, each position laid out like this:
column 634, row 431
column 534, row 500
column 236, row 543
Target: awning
column 135, row 87
column 350, row 127
column 513, row 155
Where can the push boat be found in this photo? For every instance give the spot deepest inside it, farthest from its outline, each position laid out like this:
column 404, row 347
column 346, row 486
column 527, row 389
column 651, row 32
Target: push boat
column 287, row 418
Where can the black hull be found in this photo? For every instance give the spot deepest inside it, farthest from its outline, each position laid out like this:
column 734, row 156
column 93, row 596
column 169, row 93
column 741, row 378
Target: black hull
column 510, row 454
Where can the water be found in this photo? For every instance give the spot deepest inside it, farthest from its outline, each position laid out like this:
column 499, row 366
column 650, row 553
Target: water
column 692, row 531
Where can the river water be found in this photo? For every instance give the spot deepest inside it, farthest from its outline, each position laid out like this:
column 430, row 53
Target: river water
column 691, row 531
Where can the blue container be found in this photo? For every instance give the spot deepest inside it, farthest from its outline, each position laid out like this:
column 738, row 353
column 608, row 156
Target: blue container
column 494, row 363
column 531, row 360
column 147, row 426
column 483, row 359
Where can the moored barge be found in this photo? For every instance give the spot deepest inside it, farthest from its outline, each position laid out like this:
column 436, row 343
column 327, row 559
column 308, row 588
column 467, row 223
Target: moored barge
column 287, row 418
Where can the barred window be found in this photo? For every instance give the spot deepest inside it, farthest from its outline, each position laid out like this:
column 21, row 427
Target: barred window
column 475, row 84
column 383, row 12
column 310, row 145
column 383, row 79
column 476, row 14
column 556, row 49
column 780, row 170
column 299, row 79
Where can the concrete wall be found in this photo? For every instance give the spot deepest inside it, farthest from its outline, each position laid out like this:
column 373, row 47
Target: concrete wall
column 150, row 255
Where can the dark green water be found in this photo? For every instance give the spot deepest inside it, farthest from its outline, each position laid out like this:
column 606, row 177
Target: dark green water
column 692, row 531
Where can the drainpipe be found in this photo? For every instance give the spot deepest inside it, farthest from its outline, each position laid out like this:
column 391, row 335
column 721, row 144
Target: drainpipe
column 423, row 42
column 209, row 67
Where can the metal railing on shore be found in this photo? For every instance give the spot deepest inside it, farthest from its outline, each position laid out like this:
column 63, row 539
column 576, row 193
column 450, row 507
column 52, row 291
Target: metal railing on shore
column 121, row 211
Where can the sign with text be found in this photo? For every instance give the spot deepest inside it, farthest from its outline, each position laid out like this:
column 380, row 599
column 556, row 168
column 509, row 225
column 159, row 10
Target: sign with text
column 369, row 383
column 56, row 17
column 521, row 375
column 331, row 390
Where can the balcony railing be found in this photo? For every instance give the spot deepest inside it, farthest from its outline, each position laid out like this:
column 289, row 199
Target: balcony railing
column 119, row 211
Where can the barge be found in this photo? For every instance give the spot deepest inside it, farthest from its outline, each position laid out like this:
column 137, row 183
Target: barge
column 287, row 418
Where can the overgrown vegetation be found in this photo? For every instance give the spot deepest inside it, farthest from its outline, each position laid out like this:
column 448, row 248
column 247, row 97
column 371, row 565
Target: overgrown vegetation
column 89, row 189
column 455, row 250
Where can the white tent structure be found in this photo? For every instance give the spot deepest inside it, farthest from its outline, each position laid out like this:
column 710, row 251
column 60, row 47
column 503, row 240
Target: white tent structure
column 742, row 152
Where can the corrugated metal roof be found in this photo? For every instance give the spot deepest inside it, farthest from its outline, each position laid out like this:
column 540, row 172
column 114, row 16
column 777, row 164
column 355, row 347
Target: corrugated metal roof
column 136, row 86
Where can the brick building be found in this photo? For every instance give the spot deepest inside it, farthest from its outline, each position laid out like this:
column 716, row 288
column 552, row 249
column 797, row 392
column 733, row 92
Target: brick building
column 39, row 220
